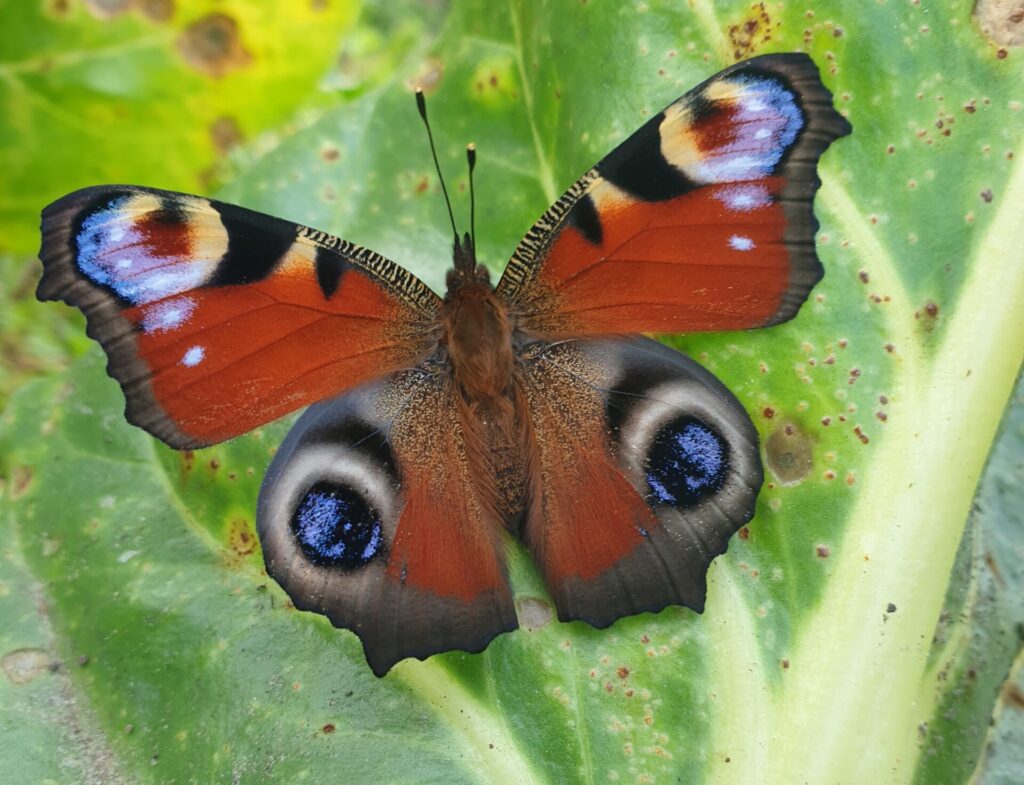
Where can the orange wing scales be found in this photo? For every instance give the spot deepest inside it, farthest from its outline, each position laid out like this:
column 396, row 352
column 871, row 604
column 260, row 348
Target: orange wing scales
column 702, row 220
column 217, row 319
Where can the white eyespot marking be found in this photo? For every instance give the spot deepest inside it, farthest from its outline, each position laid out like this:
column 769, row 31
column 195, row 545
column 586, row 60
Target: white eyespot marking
column 193, row 356
column 167, row 315
column 116, row 234
column 741, row 243
column 753, row 105
column 743, row 198
column 124, row 264
column 762, row 133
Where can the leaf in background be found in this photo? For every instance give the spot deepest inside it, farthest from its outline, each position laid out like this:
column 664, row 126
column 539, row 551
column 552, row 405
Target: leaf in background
column 814, row 659
column 153, row 91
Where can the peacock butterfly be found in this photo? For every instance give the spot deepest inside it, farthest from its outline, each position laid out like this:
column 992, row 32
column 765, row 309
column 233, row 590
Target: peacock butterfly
column 438, row 426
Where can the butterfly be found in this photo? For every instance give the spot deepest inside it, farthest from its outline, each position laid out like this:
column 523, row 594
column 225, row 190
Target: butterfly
column 437, row 427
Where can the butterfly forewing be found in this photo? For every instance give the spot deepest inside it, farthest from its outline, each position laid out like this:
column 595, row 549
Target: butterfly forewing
column 702, row 220
column 217, row 319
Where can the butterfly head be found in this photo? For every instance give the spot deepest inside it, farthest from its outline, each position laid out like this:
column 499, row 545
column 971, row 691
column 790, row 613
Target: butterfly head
column 465, row 268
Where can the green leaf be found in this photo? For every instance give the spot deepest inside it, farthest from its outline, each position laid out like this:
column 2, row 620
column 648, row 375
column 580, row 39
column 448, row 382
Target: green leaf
column 844, row 641
column 154, row 91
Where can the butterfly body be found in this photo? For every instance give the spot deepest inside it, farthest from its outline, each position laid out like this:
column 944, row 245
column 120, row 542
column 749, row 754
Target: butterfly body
column 437, row 428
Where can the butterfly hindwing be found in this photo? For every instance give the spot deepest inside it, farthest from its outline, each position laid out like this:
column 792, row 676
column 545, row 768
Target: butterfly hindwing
column 369, row 516
column 217, row 319
column 701, row 220
column 646, row 465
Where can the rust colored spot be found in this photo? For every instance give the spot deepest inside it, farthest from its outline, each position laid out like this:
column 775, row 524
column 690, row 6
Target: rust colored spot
column 645, row 638
column 330, row 154
column 882, row 416
column 826, row 421
column 890, row 149
column 241, row 538
column 768, row 412
column 823, row 551
column 863, row 275
column 789, row 454
column 829, row 475
column 850, row 479
column 882, row 399
column 21, row 479
column 986, row 196
column 753, row 33
column 422, row 185
column 785, row 667
column 157, row 10
column 1001, row 53
column 328, row 728
column 225, row 134
column 214, row 464
column 890, row 348
column 58, row 7
column 854, row 375
column 1014, row 695
column 744, row 533
column 213, row 46
column 608, row 687
column 622, row 672
column 861, row 435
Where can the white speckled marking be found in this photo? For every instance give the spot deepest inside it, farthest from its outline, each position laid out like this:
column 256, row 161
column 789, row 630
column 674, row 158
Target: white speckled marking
column 193, row 356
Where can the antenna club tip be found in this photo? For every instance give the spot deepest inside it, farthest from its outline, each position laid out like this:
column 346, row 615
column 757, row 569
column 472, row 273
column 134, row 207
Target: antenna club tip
column 471, row 147
column 421, row 103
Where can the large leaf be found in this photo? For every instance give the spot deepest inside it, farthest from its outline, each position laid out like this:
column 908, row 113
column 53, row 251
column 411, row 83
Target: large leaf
column 839, row 644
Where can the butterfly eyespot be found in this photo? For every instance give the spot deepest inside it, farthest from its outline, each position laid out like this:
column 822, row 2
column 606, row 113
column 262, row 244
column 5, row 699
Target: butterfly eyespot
column 687, row 461
column 335, row 526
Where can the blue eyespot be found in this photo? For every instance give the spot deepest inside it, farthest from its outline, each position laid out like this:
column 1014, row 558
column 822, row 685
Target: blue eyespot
column 687, row 462
column 336, row 526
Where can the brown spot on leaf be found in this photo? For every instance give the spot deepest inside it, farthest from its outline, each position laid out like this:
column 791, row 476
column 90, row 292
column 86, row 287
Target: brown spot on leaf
column 861, row 435
column 986, row 196
column 21, row 479
column 750, row 35
column 744, row 533
column 23, row 665
column 789, row 454
column 1014, row 695
column 768, row 412
column 1001, row 21
column 330, row 154
column 533, row 613
column 241, row 538
column 58, row 8
column 428, row 77
column 213, row 46
column 823, row 551
column 622, row 672
column 328, row 728
column 863, row 275
column 157, row 10
column 225, row 134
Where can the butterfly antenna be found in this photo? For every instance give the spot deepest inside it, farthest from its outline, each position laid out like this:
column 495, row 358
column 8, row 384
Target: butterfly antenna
column 471, row 157
column 421, row 104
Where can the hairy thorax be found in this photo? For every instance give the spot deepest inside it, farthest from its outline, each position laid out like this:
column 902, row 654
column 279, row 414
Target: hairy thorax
column 477, row 334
